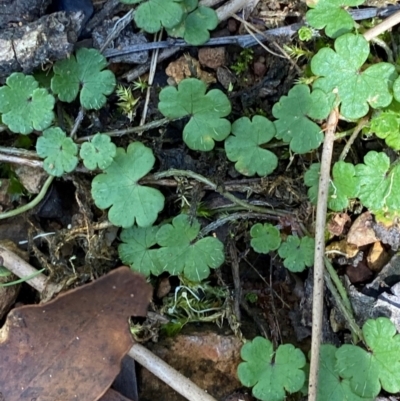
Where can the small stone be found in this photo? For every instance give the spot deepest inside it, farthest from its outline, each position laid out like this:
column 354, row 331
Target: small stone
column 361, row 232
column 31, row 178
column 359, row 273
column 212, row 57
column 188, row 67
column 232, row 25
column 259, row 69
column 207, row 358
column 225, row 77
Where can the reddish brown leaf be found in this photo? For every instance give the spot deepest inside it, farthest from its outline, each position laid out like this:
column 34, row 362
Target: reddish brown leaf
column 71, row 348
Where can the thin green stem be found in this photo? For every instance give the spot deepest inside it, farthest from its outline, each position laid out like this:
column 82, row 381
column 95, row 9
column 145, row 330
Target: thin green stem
column 355, row 329
column 22, row 279
column 32, row 203
column 340, row 287
column 227, row 195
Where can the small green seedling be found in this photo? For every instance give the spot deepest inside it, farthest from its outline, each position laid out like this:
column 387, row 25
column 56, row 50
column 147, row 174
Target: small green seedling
column 24, row 106
column 306, row 33
column 331, row 15
column 340, row 73
column 293, row 124
column 265, row 238
column 206, row 111
column 98, row 153
column 243, row 62
column 297, row 253
column 59, row 152
column 117, row 187
column 83, row 72
column 244, row 146
column 127, row 101
column 271, row 373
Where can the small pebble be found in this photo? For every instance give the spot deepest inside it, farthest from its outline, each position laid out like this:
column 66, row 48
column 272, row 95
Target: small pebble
column 212, row 57
column 259, row 69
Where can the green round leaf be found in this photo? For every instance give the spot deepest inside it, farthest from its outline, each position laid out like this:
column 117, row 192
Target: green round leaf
column 24, row 106
column 297, row 253
column 345, row 186
column 330, row 385
column 379, row 183
column 340, row 72
column 154, row 14
column 386, row 125
column 293, row 125
column 118, row 188
column 198, row 24
column 243, row 147
column 135, row 250
column 271, row 374
column 99, row 152
column 329, row 14
column 59, row 152
column 265, row 238
column 206, row 124
column 181, row 254
column 83, row 72
column 375, row 369
column 311, row 179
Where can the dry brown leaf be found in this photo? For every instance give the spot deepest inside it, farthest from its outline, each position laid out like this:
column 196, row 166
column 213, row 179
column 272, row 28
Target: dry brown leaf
column 337, row 222
column 71, row 348
column 342, row 248
column 361, row 232
column 377, row 257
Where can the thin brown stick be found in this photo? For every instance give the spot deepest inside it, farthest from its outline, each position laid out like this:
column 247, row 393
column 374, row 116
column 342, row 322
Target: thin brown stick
column 361, row 124
column 384, row 26
column 233, row 253
column 319, row 267
column 20, row 268
column 20, row 160
column 153, row 66
column 168, row 375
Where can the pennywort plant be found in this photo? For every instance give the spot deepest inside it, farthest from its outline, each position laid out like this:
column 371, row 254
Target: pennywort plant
column 341, row 75
column 349, row 372
column 181, row 18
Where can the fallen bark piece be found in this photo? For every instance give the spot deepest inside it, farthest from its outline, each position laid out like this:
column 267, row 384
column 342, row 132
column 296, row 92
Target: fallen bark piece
column 48, row 39
column 71, row 348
